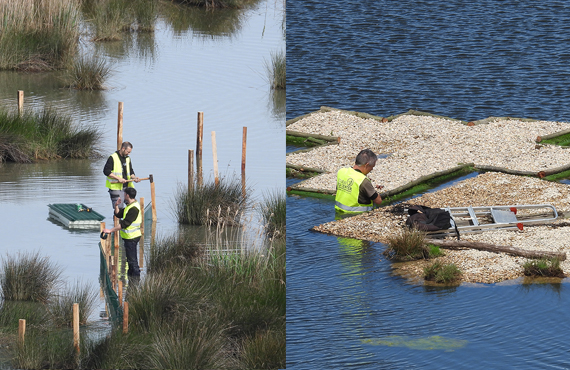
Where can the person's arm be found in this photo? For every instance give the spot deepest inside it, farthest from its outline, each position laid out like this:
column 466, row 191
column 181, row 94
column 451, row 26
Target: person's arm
column 367, row 192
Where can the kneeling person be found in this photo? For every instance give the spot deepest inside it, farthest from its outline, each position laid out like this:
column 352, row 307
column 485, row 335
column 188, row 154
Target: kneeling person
column 130, row 228
column 354, row 190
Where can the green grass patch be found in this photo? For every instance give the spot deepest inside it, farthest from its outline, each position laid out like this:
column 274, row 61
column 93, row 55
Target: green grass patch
column 211, row 204
column 88, row 74
column 407, row 245
column 544, row 267
column 45, row 134
column 303, row 141
column 442, row 273
column 28, row 277
column 558, row 176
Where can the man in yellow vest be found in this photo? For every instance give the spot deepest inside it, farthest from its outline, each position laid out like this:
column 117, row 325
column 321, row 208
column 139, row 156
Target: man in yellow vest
column 120, row 173
column 130, row 229
column 354, row 190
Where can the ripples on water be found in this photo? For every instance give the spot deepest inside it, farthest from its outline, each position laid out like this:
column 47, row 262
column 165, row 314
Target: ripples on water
column 457, row 59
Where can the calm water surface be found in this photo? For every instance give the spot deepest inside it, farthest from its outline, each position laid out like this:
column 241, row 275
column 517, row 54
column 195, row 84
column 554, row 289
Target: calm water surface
column 345, row 307
column 163, row 79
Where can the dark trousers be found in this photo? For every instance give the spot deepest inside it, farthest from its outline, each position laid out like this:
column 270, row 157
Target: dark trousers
column 131, row 252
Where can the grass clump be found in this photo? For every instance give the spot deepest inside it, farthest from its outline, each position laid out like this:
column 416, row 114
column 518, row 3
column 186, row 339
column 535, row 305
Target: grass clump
column 88, row 74
column 59, row 310
column 407, row 245
column 544, row 267
column 211, row 204
column 277, row 70
column 217, row 3
column 46, row 134
column 28, row 277
column 273, row 213
column 442, row 273
column 38, row 35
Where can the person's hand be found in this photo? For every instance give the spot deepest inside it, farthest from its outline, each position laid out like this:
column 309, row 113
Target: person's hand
column 136, row 179
column 122, row 181
column 107, row 231
column 119, row 201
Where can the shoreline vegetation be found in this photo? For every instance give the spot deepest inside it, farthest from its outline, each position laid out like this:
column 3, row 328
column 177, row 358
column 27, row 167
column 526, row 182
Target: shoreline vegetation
column 197, row 307
column 44, row 135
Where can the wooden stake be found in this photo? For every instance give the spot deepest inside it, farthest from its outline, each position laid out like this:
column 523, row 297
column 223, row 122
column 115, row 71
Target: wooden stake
column 141, row 203
column 190, row 169
column 153, row 198
column 20, row 102
column 76, row 326
column 215, row 151
column 116, row 236
column 120, row 126
column 21, row 331
column 101, row 228
column 126, row 318
column 243, row 147
column 199, row 138
column 120, row 292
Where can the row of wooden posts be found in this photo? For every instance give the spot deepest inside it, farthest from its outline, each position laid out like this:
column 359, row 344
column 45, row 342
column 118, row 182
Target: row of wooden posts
column 112, row 259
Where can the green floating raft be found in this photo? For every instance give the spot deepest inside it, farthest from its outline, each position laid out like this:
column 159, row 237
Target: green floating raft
column 75, row 216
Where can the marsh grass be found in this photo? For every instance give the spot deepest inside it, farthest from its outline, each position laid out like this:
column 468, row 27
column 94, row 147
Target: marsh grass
column 45, row 134
column 38, row 35
column 59, row 307
column 265, row 350
column 277, row 70
column 273, row 213
column 544, row 267
column 209, row 203
column 11, row 312
column 88, row 73
column 28, row 277
column 173, row 251
column 442, row 273
column 201, row 310
column 217, row 3
column 434, row 251
column 407, row 245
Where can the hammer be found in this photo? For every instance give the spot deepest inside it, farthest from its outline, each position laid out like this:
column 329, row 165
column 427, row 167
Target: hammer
column 146, row 178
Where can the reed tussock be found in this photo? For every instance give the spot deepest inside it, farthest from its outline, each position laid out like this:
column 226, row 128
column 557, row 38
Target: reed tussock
column 273, row 211
column 406, row 245
column 88, row 73
column 28, row 277
column 544, row 267
column 38, row 35
column 82, row 293
column 210, row 203
column 277, row 70
column 45, row 134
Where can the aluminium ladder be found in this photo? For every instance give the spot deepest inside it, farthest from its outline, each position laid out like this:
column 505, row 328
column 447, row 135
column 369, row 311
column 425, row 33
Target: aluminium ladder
column 479, row 219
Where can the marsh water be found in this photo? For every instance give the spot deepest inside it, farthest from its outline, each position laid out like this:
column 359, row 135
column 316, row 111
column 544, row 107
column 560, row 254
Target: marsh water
column 195, row 61
column 346, row 308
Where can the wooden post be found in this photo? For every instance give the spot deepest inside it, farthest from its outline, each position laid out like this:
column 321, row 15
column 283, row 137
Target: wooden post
column 243, row 147
column 190, row 169
column 126, row 318
column 120, row 292
column 215, row 151
column 141, row 203
column 199, row 147
column 116, row 237
column 153, row 197
column 20, row 102
column 243, row 150
column 120, row 126
column 76, row 326
column 101, row 228
column 21, row 331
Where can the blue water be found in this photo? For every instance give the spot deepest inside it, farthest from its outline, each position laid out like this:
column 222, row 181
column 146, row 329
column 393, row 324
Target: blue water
column 457, row 59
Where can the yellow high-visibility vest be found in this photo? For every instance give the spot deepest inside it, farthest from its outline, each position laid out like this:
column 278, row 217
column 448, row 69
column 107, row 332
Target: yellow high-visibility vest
column 348, row 182
column 134, row 229
column 118, row 171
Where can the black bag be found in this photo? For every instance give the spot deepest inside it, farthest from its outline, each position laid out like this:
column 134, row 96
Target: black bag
column 428, row 219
